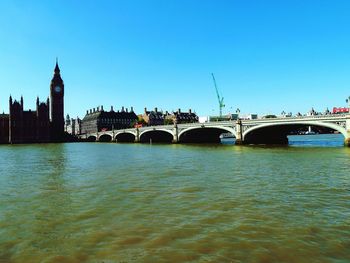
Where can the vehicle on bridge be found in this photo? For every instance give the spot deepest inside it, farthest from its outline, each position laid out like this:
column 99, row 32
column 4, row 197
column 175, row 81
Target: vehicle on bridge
column 251, row 116
column 340, row 110
column 269, row 116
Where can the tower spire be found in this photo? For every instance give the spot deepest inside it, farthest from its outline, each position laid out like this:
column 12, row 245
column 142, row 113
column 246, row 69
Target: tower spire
column 57, row 69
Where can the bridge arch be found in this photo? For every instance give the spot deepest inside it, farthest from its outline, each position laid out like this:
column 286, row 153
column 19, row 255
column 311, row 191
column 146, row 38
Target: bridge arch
column 105, row 138
column 125, row 136
column 278, row 132
column 157, row 135
column 91, row 138
column 204, row 134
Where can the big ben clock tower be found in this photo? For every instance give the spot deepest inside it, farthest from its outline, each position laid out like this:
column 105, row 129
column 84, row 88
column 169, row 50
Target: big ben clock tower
column 57, row 106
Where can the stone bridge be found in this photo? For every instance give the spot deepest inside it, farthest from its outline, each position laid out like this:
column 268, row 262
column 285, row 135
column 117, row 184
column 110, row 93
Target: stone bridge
column 259, row 131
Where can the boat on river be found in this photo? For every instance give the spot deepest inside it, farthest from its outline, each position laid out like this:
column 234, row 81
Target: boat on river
column 310, row 131
column 227, row 135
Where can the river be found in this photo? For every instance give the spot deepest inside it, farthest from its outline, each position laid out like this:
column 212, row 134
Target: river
column 107, row 202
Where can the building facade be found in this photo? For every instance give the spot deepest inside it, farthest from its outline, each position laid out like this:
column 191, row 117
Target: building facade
column 27, row 126
column 153, row 118
column 182, row 117
column 98, row 120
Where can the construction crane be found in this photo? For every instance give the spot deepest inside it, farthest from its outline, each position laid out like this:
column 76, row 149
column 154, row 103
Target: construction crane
column 220, row 99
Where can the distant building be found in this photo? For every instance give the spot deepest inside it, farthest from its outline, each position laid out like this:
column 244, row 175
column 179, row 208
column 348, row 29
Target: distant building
column 100, row 120
column 182, row 117
column 77, row 126
column 73, row 126
column 203, row 119
column 153, row 118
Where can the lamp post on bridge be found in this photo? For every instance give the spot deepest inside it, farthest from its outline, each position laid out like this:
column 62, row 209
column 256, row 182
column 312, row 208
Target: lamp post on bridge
column 238, row 111
column 348, row 102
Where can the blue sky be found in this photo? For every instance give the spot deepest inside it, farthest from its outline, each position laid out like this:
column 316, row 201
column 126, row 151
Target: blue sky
column 267, row 56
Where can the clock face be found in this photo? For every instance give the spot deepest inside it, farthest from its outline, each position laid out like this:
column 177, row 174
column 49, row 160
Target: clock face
column 57, row 89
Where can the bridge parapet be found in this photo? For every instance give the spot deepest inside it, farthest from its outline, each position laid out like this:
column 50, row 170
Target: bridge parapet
column 332, row 118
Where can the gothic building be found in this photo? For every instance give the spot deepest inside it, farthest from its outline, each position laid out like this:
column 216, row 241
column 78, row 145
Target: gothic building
column 45, row 124
column 4, row 128
column 28, row 126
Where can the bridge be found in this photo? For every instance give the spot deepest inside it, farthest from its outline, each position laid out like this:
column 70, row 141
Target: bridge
column 258, row 131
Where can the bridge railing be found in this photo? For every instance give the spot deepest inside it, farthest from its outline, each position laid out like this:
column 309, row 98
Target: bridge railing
column 311, row 117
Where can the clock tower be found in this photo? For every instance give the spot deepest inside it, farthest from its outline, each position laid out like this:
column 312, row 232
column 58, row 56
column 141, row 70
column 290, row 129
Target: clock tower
column 57, row 106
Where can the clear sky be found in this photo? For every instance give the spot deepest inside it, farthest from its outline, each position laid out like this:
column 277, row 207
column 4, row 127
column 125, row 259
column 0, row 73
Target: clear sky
column 267, row 56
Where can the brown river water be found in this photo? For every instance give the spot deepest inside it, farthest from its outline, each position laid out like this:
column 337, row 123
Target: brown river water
column 107, row 202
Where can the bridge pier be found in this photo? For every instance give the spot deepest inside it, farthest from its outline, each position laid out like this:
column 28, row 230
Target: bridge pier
column 137, row 135
column 347, row 142
column 175, row 134
column 239, row 135
column 113, row 136
column 347, row 127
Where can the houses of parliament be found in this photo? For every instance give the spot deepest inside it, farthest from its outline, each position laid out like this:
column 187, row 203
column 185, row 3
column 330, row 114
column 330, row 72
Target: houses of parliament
column 44, row 124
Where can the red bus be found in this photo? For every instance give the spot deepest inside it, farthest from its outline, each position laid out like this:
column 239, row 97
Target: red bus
column 340, row 110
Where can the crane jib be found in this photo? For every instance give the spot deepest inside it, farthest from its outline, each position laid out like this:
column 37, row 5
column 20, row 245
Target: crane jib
column 220, row 99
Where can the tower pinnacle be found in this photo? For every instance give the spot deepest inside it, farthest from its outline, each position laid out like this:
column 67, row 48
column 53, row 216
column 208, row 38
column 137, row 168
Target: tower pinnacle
column 57, row 69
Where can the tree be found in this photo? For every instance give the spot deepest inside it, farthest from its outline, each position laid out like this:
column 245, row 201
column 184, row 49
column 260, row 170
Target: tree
column 168, row 121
